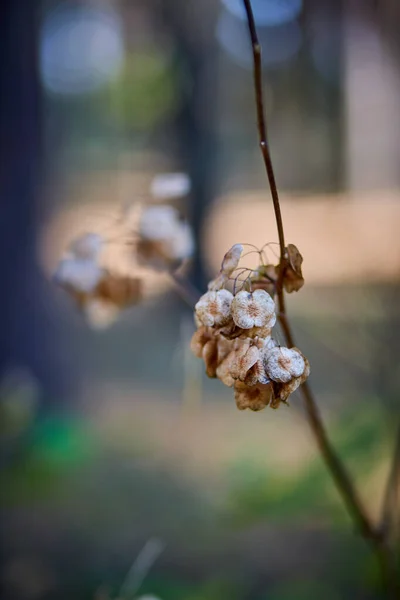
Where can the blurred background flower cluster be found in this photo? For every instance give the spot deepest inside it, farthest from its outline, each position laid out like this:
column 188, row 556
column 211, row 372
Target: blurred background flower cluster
column 110, row 439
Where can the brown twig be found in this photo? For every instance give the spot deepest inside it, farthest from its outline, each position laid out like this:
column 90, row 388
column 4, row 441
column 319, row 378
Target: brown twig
column 184, row 288
column 335, row 466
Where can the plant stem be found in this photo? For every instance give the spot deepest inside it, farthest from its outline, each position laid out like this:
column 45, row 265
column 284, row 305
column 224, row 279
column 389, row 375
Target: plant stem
column 185, row 289
column 335, row 466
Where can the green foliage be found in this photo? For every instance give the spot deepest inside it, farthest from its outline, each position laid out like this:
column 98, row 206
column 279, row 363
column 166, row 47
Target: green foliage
column 257, row 492
column 301, row 590
column 171, row 589
column 37, row 467
column 145, row 91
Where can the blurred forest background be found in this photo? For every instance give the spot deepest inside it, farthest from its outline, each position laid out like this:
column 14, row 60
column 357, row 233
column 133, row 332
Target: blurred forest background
column 112, row 438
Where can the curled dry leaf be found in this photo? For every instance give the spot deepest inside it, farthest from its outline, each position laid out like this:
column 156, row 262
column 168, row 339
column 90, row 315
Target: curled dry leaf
column 293, row 279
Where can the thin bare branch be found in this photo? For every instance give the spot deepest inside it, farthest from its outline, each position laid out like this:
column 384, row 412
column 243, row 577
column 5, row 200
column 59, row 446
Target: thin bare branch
column 335, row 466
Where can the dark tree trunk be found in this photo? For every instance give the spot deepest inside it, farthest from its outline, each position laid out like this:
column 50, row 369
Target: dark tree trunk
column 31, row 334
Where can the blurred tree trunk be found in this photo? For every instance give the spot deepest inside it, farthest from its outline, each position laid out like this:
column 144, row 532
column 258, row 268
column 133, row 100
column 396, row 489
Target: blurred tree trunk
column 31, row 335
column 195, row 123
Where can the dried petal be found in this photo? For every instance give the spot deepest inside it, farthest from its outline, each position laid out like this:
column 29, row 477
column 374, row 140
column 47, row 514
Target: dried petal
column 253, row 309
column 214, row 308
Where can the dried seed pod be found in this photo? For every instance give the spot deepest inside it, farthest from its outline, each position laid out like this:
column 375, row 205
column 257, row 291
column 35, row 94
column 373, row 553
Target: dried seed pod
column 293, row 279
column 224, row 369
column 253, row 309
column 246, row 356
column 231, row 259
column 212, row 348
column 264, row 278
column 120, row 291
column 79, row 276
column 283, row 364
column 214, row 352
column 255, row 397
column 199, row 340
column 87, row 246
column 247, row 364
column 165, row 241
column 214, row 308
column 284, row 390
column 165, row 254
column 159, row 222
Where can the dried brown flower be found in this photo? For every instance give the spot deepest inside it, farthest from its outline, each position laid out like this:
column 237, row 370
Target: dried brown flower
column 253, row 309
column 214, row 308
column 283, row 364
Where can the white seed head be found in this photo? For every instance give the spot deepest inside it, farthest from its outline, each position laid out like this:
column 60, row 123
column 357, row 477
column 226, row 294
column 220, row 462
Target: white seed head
column 231, row 259
column 170, row 185
column 164, row 239
column 159, row 222
column 253, row 309
column 214, row 308
column 87, row 246
column 181, row 246
column 284, row 364
column 81, row 275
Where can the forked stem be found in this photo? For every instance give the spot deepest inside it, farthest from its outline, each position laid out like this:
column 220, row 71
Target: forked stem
column 335, row 466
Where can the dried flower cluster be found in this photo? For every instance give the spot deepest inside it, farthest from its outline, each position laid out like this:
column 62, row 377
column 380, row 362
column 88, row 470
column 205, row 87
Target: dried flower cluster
column 234, row 337
column 99, row 293
column 163, row 241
